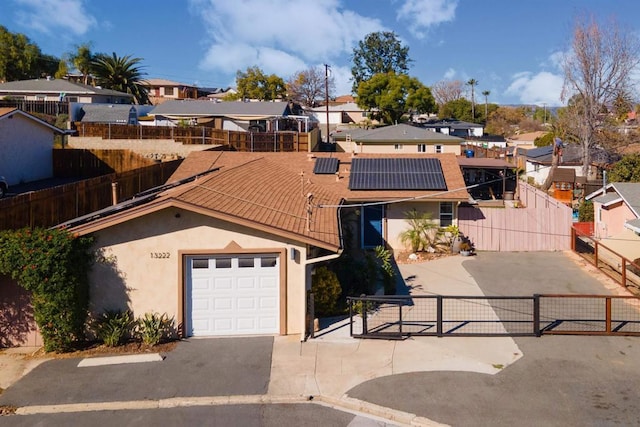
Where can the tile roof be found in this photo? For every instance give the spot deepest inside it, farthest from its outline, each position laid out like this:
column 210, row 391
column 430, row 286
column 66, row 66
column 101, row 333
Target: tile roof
column 211, row 108
column 401, row 133
column 55, row 87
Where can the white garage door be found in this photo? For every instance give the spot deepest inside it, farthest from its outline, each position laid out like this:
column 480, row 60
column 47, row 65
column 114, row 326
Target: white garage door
column 233, row 295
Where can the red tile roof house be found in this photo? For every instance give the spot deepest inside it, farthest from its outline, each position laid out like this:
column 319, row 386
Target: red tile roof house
column 231, row 251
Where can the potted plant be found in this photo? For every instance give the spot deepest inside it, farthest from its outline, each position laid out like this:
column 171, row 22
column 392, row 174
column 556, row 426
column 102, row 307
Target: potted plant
column 453, row 232
column 465, row 248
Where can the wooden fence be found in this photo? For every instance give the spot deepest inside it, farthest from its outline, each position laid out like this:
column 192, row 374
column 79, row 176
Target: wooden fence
column 47, row 208
column 51, row 108
column 83, row 163
column 540, row 223
column 234, row 140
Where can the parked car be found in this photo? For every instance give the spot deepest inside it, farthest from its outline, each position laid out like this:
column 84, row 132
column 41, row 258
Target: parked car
column 3, row 186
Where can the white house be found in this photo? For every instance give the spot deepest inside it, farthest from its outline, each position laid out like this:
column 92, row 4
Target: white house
column 26, row 144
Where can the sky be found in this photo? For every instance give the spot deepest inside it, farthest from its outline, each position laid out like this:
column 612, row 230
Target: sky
column 511, row 47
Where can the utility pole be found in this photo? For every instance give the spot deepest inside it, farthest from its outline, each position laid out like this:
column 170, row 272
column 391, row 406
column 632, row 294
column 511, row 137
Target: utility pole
column 326, row 95
column 544, row 105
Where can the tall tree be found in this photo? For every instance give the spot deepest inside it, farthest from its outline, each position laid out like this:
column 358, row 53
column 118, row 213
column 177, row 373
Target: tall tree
column 123, row 74
column 255, row 84
column 20, row 59
column 393, row 95
column 473, row 83
column 458, row 109
column 447, row 90
column 486, row 94
column 82, row 60
column 597, row 70
column 378, row 53
column 307, row 87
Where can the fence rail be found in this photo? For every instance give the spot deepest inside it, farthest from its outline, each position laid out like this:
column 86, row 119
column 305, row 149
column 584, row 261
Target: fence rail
column 285, row 141
column 51, row 108
column 397, row 317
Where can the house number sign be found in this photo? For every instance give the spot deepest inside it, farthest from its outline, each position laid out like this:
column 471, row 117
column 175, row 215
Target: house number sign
column 160, row 255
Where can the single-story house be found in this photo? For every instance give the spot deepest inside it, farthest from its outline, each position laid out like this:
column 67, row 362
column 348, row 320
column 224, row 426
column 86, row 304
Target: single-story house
column 525, row 140
column 230, row 245
column 26, row 144
column 455, row 128
column 121, row 114
column 234, row 115
column 395, row 139
column 61, row 90
column 538, row 163
column 616, row 209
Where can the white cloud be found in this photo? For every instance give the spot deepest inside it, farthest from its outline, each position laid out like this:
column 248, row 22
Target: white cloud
column 449, row 74
column 424, row 14
column 280, row 36
column 50, row 16
column 540, row 88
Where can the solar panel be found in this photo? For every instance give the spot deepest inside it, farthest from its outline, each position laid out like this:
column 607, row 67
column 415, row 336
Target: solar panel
column 396, row 174
column 326, row 166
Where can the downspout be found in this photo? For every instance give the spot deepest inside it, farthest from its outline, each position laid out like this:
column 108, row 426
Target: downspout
column 308, row 262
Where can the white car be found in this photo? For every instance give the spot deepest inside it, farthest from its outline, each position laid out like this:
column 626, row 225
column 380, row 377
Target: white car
column 3, row 187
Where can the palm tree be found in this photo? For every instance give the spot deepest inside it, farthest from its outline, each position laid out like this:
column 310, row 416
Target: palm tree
column 486, row 94
column 122, row 74
column 473, row 83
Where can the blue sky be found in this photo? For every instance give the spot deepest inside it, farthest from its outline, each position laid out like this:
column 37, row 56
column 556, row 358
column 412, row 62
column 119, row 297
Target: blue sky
column 510, row 46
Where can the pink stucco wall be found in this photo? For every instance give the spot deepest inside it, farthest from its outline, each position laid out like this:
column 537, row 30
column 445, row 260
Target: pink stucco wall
column 17, row 326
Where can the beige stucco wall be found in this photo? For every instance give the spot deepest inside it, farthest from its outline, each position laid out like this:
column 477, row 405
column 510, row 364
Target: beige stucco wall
column 26, row 149
column 155, row 284
column 411, row 148
column 396, row 220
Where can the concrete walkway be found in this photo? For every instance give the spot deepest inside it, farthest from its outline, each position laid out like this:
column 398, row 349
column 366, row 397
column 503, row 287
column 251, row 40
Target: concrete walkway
column 333, row 363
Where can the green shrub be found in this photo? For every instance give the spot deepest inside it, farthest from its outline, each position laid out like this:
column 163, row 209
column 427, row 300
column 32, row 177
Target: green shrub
column 153, row 328
column 585, row 211
column 386, row 270
column 114, row 327
column 326, row 291
column 52, row 264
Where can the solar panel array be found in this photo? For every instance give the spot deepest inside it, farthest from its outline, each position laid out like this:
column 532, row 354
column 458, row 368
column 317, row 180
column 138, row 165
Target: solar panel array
column 396, row 174
column 326, row 166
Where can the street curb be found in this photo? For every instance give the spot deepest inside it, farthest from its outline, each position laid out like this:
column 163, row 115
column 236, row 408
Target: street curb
column 350, row 404
column 117, row 360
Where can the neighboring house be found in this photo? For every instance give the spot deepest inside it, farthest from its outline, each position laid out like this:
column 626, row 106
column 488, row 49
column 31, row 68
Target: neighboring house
column 161, row 90
column 616, row 209
column 233, row 251
column 525, row 140
column 538, row 163
column 340, row 114
column 26, row 144
column 61, row 90
column 455, row 128
column 396, row 139
column 216, row 93
column 235, row 115
column 122, row 114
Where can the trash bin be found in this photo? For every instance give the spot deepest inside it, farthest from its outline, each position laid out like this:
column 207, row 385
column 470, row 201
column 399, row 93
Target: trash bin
column 469, row 153
column 508, row 195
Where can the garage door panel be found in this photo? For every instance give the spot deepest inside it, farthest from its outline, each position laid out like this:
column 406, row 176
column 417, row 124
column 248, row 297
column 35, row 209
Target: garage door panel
column 233, row 295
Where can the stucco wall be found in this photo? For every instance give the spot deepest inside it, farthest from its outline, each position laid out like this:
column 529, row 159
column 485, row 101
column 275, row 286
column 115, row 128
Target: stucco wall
column 129, row 276
column 26, row 150
column 610, row 222
column 396, row 220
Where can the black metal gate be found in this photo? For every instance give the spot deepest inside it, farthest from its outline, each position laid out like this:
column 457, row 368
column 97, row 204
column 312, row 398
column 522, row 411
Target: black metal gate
column 397, row 317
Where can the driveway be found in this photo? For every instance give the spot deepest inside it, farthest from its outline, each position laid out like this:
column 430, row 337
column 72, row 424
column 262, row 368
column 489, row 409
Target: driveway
column 559, row 380
column 197, row 367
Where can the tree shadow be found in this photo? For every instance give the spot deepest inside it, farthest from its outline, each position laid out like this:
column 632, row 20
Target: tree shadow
column 17, row 324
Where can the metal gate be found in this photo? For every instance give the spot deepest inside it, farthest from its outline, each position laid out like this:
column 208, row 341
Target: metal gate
column 397, row 317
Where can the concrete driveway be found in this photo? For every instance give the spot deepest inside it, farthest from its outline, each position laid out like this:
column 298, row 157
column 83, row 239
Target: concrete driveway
column 559, row 381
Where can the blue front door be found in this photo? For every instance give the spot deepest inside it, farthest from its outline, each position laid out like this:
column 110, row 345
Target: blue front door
column 372, row 226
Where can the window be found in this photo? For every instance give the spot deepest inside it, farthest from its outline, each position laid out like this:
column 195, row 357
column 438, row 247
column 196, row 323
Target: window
column 446, row 213
column 40, row 97
column 397, row 147
column 168, row 91
column 201, row 263
column 223, row 262
column 246, row 262
column 268, row 261
column 536, row 167
column 422, row 148
column 438, row 148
